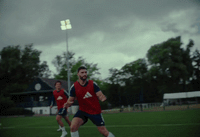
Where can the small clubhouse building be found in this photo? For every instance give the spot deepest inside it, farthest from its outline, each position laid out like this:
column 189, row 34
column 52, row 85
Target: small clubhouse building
column 37, row 97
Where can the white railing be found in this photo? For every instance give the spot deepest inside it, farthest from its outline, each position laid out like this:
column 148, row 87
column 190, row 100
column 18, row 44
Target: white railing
column 146, row 105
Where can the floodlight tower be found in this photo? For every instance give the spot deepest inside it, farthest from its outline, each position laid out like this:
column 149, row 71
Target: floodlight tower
column 65, row 25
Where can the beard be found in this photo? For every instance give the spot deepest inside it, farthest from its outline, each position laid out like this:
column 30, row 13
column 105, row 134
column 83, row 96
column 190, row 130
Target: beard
column 58, row 88
column 83, row 78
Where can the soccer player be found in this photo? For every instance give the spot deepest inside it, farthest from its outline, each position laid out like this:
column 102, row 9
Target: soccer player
column 69, row 112
column 61, row 97
column 59, row 127
column 88, row 95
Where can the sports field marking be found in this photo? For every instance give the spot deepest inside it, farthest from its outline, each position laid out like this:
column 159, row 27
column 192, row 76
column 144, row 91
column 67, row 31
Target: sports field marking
column 188, row 124
column 7, row 127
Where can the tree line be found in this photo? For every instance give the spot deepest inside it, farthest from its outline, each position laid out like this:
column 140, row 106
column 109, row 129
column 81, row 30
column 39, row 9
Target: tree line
column 168, row 67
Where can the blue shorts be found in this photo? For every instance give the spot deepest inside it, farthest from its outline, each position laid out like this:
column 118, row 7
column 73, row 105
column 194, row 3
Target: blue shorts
column 96, row 119
column 62, row 112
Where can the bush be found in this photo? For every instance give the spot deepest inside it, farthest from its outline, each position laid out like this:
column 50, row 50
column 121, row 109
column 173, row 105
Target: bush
column 6, row 103
column 16, row 111
column 104, row 105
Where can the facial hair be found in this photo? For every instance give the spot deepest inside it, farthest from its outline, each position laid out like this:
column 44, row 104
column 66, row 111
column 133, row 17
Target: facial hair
column 83, row 78
column 58, row 89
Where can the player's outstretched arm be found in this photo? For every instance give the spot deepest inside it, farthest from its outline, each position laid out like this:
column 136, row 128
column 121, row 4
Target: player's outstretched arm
column 101, row 96
column 52, row 102
column 69, row 102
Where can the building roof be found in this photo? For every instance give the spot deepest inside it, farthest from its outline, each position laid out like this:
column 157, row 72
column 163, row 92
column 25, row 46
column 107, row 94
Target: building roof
column 181, row 95
column 32, row 92
column 51, row 82
column 47, row 85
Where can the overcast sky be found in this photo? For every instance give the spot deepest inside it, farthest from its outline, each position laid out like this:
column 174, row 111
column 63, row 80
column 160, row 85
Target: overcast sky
column 110, row 33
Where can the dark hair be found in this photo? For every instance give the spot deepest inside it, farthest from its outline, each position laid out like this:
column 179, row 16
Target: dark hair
column 81, row 67
column 58, row 82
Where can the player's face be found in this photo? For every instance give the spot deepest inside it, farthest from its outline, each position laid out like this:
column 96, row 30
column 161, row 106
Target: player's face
column 82, row 74
column 58, row 85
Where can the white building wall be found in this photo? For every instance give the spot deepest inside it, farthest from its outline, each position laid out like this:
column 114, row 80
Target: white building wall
column 46, row 110
column 39, row 110
column 74, row 109
column 54, row 110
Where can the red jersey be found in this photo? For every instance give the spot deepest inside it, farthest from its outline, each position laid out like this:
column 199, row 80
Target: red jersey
column 87, row 99
column 60, row 97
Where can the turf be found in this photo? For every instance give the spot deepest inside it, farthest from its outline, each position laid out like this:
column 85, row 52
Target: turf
column 139, row 124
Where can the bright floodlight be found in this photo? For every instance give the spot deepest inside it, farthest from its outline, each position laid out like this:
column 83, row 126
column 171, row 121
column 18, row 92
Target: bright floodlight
column 65, row 24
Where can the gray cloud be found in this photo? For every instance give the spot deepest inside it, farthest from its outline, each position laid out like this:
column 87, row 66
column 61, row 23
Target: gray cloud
column 108, row 32
column 38, row 21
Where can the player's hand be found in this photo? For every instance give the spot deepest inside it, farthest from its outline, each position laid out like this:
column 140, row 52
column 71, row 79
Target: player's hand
column 71, row 102
column 65, row 105
column 102, row 98
column 68, row 104
column 51, row 106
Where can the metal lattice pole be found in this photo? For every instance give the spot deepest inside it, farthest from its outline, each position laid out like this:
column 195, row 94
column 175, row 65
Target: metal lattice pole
column 68, row 73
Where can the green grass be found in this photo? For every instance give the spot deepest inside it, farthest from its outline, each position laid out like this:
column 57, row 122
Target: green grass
column 140, row 124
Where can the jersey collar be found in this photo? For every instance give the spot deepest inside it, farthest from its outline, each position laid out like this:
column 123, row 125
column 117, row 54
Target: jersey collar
column 85, row 83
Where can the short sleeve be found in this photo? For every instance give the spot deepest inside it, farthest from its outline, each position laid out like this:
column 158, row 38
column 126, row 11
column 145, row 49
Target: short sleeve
column 96, row 87
column 72, row 91
column 52, row 101
column 66, row 93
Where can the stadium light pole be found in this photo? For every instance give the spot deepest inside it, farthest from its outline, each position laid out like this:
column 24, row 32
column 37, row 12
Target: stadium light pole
column 65, row 25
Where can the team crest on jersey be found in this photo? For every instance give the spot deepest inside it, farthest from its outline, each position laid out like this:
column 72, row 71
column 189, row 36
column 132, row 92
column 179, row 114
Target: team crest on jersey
column 59, row 98
column 87, row 95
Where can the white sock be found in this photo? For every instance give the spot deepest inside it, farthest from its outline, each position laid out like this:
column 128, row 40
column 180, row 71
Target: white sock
column 110, row 135
column 74, row 134
column 63, row 129
column 60, row 127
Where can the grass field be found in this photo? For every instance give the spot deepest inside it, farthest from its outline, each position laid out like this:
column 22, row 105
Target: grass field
column 139, row 124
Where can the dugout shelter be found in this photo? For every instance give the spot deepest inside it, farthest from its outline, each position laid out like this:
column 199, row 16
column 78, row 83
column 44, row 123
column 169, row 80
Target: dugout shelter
column 37, row 97
column 192, row 97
